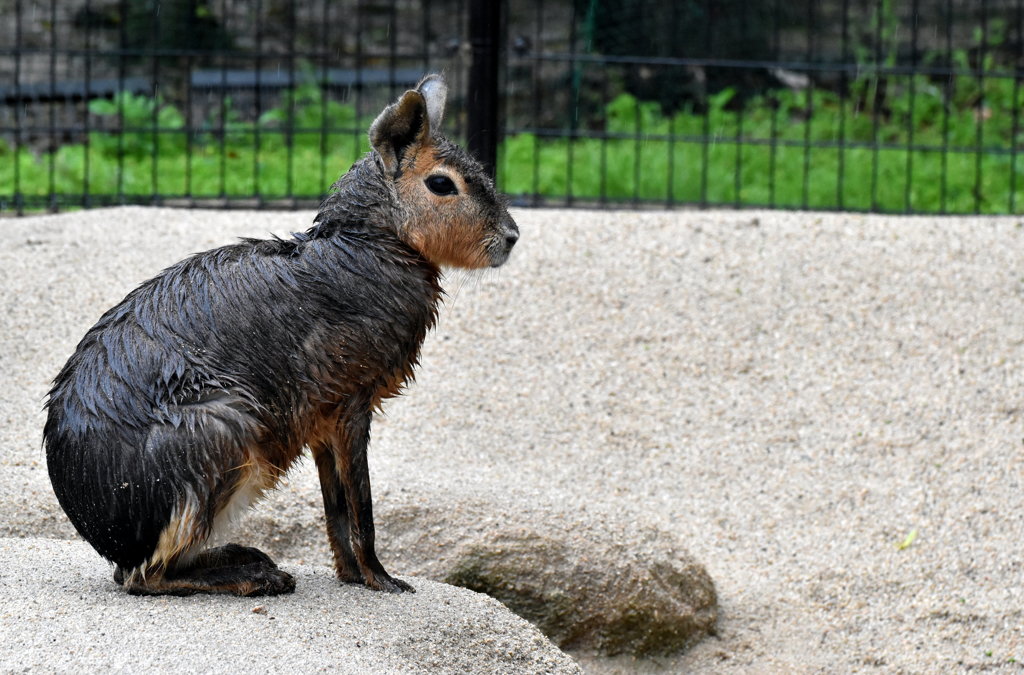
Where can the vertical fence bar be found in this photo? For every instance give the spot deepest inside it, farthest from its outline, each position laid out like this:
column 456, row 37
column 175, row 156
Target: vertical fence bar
column 257, row 136
column 154, row 46
column 670, row 196
column 538, row 49
column 258, row 97
column 425, row 36
column 358, row 66
column 774, row 140
column 505, row 69
column 943, row 190
column 189, row 122
column 461, row 23
column 325, row 91
column 706, row 122
column 875, row 118
column 289, row 131
column 637, row 150
column 392, row 49
column 670, row 193
column 52, row 141
column 17, row 197
column 573, row 107
column 909, row 171
column 737, row 177
column 706, row 94
column 603, row 178
column 222, row 159
column 85, row 107
column 482, row 109
column 122, row 38
column 809, row 102
column 1015, row 125
column 737, row 174
column 979, row 116
column 844, row 85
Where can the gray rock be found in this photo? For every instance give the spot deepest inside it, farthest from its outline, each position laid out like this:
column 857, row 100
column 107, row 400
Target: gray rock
column 62, row 613
column 589, row 579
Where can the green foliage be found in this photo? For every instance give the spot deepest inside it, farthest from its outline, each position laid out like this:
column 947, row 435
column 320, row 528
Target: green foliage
column 143, row 148
column 808, row 149
column 146, row 126
column 306, row 110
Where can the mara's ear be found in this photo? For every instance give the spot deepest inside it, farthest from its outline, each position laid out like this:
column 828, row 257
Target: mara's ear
column 401, row 126
column 435, row 91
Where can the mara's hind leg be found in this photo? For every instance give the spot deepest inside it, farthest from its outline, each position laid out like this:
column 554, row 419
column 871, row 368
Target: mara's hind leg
column 232, row 555
column 228, row 555
column 177, row 569
column 221, row 475
column 248, row 579
column 230, row 569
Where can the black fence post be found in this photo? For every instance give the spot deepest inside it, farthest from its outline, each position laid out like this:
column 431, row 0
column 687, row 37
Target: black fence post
column 482, row 100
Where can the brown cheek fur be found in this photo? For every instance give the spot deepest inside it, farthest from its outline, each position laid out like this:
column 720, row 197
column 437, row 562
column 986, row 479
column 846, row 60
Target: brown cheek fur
column 453, row 235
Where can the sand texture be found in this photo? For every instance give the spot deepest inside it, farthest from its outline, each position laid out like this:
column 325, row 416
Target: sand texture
column 826, row 412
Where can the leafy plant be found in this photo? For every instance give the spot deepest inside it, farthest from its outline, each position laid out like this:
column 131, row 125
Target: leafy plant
column 145, row 126
column 792, row 149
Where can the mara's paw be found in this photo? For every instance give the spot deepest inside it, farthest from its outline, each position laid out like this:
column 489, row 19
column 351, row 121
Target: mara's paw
column 258, row 578
column 382, row 581
column 266, row 580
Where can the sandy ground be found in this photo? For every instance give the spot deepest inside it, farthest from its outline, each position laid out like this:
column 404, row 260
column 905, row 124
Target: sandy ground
column 828, row 408
column 60, row 617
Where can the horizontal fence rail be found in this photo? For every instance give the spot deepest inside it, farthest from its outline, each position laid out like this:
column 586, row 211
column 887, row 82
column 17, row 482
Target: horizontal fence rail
column 864, row 105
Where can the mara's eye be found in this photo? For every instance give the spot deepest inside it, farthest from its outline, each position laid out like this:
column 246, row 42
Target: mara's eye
column 441, row 185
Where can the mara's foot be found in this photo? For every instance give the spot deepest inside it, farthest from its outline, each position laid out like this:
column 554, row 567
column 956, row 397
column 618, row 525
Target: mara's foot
column 254, row 578
column 382, row 581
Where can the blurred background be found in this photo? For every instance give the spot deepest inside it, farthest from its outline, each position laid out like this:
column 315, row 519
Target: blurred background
column 866, row 105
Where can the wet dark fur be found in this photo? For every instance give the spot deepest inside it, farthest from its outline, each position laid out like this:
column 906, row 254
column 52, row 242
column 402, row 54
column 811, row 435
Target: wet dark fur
column 254, row 349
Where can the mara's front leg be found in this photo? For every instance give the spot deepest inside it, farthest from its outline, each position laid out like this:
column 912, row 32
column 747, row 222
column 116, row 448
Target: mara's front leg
column 345, row 485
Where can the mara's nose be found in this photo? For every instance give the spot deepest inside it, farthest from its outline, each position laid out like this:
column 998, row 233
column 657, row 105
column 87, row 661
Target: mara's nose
column 511, row 233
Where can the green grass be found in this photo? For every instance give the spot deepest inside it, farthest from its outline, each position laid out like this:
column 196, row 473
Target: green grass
column 799, row 151
column 208, row 171
column 231, row 159
column 923, row 150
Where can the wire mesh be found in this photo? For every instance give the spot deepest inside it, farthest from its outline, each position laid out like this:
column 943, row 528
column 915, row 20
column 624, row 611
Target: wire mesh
column 869, row 105
column 864, row 105
column 201, row 102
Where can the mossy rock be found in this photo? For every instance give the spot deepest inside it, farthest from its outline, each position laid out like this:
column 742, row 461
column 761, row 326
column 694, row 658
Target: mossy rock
column 586, row 580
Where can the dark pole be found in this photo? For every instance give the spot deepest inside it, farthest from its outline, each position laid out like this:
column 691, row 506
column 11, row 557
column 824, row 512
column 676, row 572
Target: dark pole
column 482, row 122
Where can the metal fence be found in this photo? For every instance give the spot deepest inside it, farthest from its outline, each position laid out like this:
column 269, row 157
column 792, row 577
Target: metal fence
column 872, row 105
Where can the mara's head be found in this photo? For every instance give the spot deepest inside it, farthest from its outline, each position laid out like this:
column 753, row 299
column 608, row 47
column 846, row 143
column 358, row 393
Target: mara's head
column 451, row 212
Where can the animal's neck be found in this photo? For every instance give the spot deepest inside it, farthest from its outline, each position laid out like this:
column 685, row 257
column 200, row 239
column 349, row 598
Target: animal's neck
column 361, row 201
column 364, row 208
